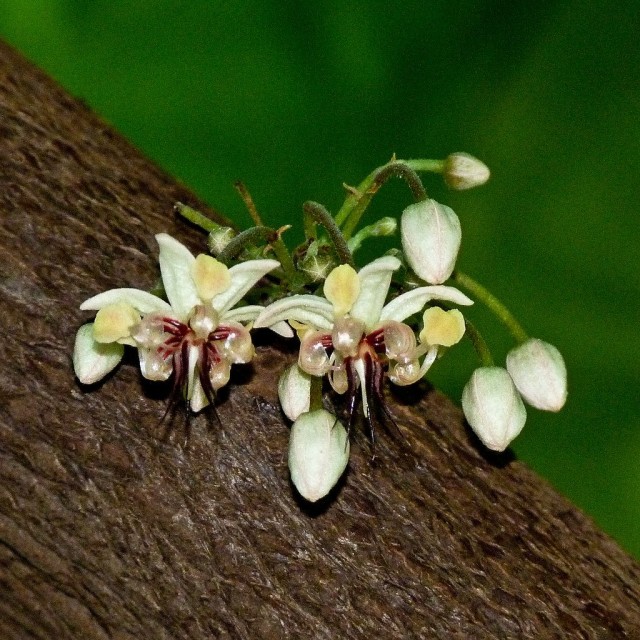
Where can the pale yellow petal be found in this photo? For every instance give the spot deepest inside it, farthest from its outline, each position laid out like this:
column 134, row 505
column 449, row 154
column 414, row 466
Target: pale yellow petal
column 114, row 322
column 341, row 289
column 300, row 328
column 210, row 276
column 442, row 327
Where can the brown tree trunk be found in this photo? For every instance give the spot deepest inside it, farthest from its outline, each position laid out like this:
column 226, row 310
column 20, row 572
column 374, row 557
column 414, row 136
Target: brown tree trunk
column 107, row 531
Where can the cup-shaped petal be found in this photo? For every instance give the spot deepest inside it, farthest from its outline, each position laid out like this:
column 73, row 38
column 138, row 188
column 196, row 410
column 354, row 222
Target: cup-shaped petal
column 318, row 453
column 539, row 373
column 431, row 236
column 313, row 357
column 493, row 407
column 294, row 391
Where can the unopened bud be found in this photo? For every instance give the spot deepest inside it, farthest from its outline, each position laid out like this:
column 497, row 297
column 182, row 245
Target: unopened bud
column 539, row 373
column 493, row 407
column 384, row 227
column 294, row 390
column 318, row 453
column 463, row 171
column 219, row 238
column 431, row 236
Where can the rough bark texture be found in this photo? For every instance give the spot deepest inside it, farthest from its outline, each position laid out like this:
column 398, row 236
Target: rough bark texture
column 107, row 531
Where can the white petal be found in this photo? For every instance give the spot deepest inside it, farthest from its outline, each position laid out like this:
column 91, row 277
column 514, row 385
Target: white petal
column 92, row 360
column 142, row 301
column 413, row 301
column 250, row 313
column 242, row 314
column 243, row 277
column 175, row 266
column 282, row 329
column 307, row 309
column 375, row 279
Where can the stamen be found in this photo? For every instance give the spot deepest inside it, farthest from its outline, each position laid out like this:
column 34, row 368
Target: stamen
column 368, row 391
column 352, row 390
column 378, row 390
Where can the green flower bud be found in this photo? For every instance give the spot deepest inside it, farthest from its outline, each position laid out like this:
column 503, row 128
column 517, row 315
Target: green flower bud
column 384, row 227
column 493, row 407
column 431, row 236
column 539, row 373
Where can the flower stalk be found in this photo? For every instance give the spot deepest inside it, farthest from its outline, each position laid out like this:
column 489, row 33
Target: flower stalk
column 493, row 304
column 359, row 198
column 321, row 216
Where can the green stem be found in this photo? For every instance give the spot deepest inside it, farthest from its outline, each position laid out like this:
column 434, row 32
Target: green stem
column 310, row 231
column 315, row 394
column 199, row 219
column 493, row 304
column 431, row 166
column 248, row 202
column 253, row 237
column 479, row 344
column 323, row 217
column 358, row 200
column 284, row 257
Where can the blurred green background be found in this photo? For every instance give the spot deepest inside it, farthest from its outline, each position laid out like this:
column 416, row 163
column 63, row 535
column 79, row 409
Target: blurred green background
column 297, row 98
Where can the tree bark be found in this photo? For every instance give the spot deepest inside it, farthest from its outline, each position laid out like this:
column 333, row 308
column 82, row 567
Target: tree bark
column 108, row 529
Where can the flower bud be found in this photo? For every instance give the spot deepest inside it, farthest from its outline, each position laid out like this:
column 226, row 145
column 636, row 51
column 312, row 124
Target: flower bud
column 318, row 453
column 431, row 236
column 493, row 407
column 384, row 227
column 463, row 171
column 294, row 389
column 539, row 373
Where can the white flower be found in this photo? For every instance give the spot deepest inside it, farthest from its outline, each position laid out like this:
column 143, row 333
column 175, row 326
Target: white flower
column 431, row 237
column 318, row 453
column 539, row 373
column 493, row 407
column 197, row 335
column 351, row 336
